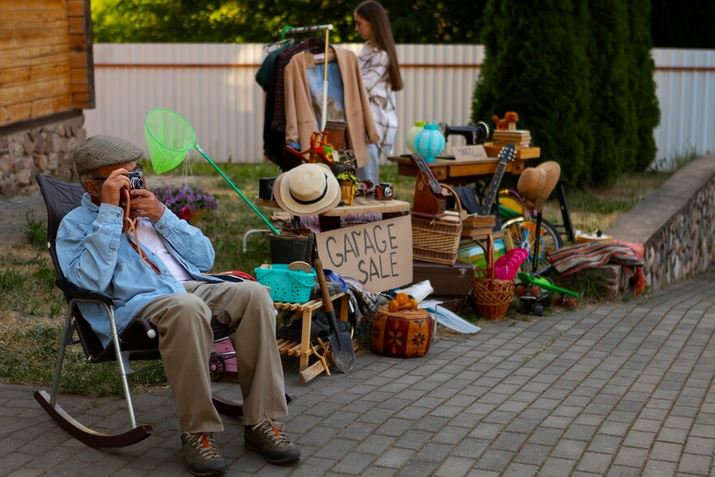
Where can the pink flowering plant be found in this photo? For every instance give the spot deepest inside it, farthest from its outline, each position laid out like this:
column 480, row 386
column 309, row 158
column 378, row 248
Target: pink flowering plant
column 185, row 201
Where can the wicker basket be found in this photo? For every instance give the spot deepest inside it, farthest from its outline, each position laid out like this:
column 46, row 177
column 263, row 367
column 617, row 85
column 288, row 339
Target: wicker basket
column 436, row 240
column 491, row 296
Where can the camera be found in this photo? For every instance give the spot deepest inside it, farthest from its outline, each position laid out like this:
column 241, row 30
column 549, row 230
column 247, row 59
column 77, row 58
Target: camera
column 384, row 191
column 136, row 180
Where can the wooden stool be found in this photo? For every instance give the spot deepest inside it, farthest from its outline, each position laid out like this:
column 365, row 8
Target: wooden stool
column 304, row 349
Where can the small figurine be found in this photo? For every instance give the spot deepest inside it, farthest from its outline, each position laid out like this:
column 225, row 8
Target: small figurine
column 508, row 123
column 320, row 151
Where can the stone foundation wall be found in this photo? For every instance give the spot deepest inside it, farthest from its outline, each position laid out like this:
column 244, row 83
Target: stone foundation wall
column 675, row 225
column 685, row 246
column 44, row 149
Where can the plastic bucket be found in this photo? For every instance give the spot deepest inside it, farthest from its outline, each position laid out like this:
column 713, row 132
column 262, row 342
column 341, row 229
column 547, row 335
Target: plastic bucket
column 291, row 247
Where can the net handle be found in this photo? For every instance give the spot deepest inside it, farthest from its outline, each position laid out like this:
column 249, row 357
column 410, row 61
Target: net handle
column 238, row 191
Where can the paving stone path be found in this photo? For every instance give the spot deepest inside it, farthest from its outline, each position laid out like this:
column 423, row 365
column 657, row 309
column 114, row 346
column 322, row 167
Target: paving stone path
column 612, row 389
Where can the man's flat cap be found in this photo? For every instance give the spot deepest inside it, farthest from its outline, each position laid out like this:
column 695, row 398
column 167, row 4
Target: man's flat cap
column 100, row 151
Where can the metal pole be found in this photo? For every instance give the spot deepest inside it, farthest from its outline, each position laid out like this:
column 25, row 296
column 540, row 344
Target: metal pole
column 120, row 362
column 238, row 191
column 64, row 341
column 324, row 106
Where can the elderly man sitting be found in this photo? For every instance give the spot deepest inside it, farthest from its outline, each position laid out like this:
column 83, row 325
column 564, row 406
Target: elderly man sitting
column 156, row 275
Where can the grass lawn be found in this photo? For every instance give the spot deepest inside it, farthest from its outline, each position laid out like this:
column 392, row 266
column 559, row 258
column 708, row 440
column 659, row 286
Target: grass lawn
column 32, row 308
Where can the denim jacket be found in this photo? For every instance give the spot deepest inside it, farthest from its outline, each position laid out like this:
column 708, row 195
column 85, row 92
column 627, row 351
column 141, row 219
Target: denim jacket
column 94, row 254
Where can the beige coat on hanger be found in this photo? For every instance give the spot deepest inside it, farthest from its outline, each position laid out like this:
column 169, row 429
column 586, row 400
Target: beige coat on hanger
column 300, row 118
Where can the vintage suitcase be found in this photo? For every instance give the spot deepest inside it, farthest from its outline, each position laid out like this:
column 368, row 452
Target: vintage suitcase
column 450, row 280
column 402, row 334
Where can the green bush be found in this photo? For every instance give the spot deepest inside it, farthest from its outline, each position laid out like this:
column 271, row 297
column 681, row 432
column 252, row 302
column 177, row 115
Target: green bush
column 35, row 231
column 536, row 65
column 580, row 76
column 642, row 88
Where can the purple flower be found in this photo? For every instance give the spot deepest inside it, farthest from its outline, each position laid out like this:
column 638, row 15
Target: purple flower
column 184, row 198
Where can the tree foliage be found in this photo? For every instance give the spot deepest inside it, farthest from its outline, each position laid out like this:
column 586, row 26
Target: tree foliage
column 642, row 87
column 419, row 21
column 580, row 75
column 534, row 66
column 610, row 117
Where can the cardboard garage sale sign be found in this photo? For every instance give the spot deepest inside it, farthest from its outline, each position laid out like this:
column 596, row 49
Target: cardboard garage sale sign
column 378, row 254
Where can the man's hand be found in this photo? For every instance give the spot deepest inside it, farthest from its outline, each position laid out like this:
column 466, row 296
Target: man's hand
column 112, row 186
column 145, row 204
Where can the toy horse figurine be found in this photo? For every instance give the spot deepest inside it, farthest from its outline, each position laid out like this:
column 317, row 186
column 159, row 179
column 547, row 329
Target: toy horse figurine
column 508, row 123
column 320, row 151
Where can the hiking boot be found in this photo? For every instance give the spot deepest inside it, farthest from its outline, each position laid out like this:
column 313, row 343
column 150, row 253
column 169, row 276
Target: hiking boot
column 269, row 440
column 201, row 454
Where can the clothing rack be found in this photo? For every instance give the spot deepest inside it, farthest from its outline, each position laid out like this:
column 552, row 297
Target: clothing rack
column 303, row 29
column 309, row 28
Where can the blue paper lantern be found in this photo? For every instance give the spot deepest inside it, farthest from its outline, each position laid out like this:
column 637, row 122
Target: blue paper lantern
column 429, row 142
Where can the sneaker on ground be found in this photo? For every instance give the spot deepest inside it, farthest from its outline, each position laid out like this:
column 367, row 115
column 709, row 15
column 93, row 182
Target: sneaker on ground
column 268, row 439
column 202, row 455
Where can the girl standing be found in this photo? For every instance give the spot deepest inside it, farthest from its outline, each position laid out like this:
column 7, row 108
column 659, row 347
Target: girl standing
column 381, row 77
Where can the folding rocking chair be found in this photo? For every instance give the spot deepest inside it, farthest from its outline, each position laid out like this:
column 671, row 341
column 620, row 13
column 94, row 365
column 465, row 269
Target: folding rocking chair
column 138, row 341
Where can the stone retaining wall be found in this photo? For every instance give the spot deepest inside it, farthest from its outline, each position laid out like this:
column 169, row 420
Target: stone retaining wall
column 46, row 148
column 685, row 246
column 675, row 225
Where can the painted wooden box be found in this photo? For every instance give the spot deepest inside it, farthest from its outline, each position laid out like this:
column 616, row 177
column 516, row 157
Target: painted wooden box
column 402, row 334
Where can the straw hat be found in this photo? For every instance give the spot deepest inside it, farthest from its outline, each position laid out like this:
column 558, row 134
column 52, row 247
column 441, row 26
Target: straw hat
column 536, row 183
column 307, row 189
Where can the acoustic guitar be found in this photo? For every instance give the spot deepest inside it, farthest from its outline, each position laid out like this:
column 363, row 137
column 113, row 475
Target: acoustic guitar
column 429, row 201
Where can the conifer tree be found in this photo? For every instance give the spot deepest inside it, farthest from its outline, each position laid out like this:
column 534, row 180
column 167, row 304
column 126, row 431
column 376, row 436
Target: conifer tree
column 643, row 99
column 536, row 65
column 611, row 116
column 580, row 75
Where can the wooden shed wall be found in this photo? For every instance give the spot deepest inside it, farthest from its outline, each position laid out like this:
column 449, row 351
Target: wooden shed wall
column 45, row 58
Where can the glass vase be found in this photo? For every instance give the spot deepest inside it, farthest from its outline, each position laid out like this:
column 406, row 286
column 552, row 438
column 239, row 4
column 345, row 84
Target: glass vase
column 412, row 135
column 429, row 142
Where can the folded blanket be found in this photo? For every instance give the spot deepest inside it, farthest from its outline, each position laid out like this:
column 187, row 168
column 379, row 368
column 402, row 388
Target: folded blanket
column 574, row 258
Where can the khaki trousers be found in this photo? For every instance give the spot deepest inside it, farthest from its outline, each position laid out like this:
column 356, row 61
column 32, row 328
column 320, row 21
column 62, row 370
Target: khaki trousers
column 183, row 323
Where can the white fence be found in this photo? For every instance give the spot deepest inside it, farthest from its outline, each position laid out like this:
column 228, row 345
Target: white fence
column 213, row 85
column 686, row 92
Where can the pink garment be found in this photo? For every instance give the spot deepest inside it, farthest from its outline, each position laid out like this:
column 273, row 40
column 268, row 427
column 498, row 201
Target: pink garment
column 507, row 266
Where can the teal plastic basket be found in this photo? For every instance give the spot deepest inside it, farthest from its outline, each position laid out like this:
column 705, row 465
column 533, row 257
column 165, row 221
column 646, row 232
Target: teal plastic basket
column 290, row 286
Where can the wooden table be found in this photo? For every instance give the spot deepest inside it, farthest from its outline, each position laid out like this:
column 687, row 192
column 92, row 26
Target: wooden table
column 471, row 171
column 330, row 220
column 462, row 172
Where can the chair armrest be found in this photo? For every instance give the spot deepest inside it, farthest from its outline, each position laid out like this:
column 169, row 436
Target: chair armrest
column 137, row 329
column 73, row 292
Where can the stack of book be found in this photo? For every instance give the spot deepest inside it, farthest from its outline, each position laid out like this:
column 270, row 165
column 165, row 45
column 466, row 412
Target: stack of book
column 518, row 137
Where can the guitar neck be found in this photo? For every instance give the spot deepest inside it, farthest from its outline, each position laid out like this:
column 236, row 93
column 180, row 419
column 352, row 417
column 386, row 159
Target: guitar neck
column 496, row 181
column 505, row 155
